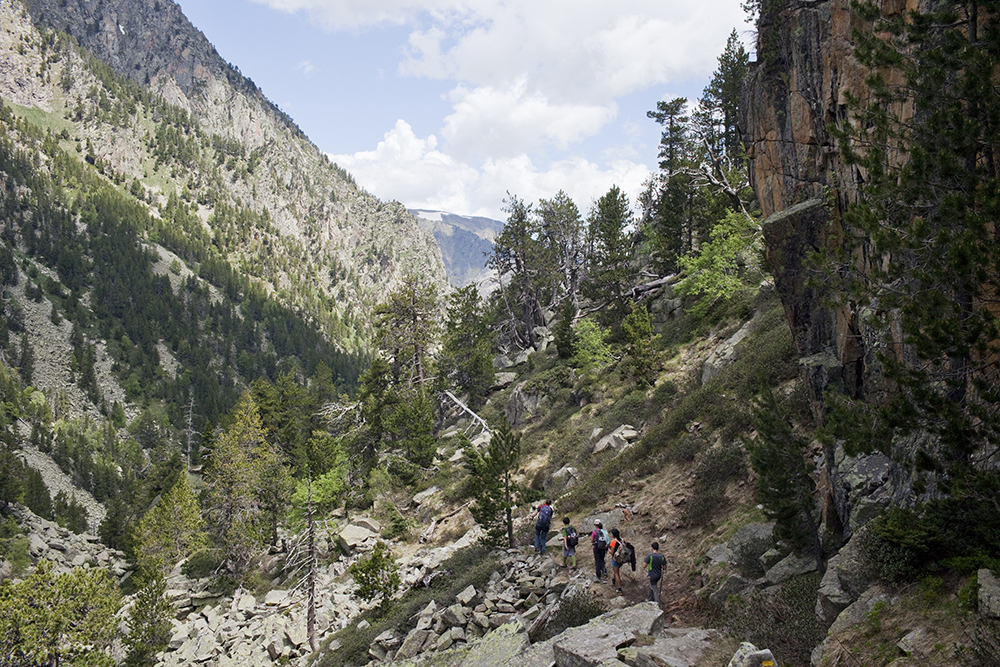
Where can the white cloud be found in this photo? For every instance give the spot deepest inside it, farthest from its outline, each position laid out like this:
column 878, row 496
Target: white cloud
column 305, row 67
column 413, row 171
column 507, row 121
column 531, row 76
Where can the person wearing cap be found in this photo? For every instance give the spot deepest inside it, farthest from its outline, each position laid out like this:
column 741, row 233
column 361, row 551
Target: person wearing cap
column 599, row 540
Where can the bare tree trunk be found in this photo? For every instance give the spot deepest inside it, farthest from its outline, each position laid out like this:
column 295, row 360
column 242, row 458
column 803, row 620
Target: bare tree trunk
column 311, row 609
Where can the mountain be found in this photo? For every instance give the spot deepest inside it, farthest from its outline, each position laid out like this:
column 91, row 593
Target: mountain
column 465, row 242
column 328, row 247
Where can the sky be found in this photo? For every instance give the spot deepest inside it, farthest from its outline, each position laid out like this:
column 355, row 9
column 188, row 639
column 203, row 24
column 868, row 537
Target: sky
column 451, row 104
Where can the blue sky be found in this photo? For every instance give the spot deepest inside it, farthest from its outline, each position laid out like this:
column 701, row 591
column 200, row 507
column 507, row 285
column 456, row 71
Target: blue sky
column 448, row 104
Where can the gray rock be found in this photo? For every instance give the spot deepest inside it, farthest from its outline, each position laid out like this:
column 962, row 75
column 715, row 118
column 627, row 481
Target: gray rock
column 683, row 647
column 720, row 553
column 843, row 582
column 857, row 612
column 500, row 647
column 466, row 596
column 618, row 439
column 502, row 380
column 749, row 655
column 751, row 541
column 790, row 566
column 564, row 478
column 989, row 593
column 599, row 644
column 502, row 361
column 413, row 643
column 723, row 355
column 769, row 559
column 734, row 585
column 352, row 537
column 422, row 497
column 369, row 523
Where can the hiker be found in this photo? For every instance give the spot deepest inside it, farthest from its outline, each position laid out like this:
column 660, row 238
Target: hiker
column 599, row 540
column 654, row 567
column 570, row 540
column 617, row 547
column 544, row 514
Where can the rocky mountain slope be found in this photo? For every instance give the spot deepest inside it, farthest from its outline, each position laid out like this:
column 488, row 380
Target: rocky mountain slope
column 332, row 248
column 465, row 241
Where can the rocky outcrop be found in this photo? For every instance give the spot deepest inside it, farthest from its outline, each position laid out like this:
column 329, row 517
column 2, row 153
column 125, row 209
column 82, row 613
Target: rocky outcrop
column 989, row 593
column 799, row 90
column 634, row 636
column 63, row 548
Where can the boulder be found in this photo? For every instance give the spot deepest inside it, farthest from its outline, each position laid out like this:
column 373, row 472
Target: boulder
column 503, row 380
column 734, row 585
column 596, row 645
column 751, row 541
column 749, row 655
column 502, row 361
column 353, row 536
column 564, row 478
column 790, row 566
column 618, row 439
column 682, row 647
column 369, row 523
column 989, row 593
column 723, row 355
column 500, row 647
column 466, row 596
column 413, row 643
column 421, row 497
column 857, row 612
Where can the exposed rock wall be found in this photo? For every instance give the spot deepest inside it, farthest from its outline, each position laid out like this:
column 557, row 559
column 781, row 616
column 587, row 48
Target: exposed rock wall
column 798, row 90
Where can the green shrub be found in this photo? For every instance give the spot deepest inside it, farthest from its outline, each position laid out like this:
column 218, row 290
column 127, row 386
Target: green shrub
column 470, row 566
column 894, row 546
column 781, row 618
column 629, row 409
column 201, row 564
column 376, row 575
column 715, row 469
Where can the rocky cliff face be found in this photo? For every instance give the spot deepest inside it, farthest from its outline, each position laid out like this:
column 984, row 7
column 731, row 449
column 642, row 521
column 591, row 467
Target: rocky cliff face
column 800, row 87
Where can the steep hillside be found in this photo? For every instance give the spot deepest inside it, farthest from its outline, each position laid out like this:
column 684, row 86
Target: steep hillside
column 321, row 242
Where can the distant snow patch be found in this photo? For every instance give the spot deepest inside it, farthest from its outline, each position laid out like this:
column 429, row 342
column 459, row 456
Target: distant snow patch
column 433, row 216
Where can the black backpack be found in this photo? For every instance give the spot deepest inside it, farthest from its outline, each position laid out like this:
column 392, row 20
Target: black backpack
column 602, row 540
column 544, row 516
column 572, row 539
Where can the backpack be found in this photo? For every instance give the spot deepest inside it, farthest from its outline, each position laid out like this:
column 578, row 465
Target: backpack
column 544, row 516
column 623, row 552
column 572, row 539
column 602, row 540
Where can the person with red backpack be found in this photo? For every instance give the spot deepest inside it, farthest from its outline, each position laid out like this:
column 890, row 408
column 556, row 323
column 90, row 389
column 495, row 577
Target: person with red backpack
column 544, row 514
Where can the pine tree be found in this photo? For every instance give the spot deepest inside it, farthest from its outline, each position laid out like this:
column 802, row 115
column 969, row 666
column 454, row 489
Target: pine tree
column 172, row 530
column 148, row 625
column 493, row 486
column 48, row 619
column 466, row 357
column 376, row 575
column 784, row 486
column 609, row 255
column 232, row 480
